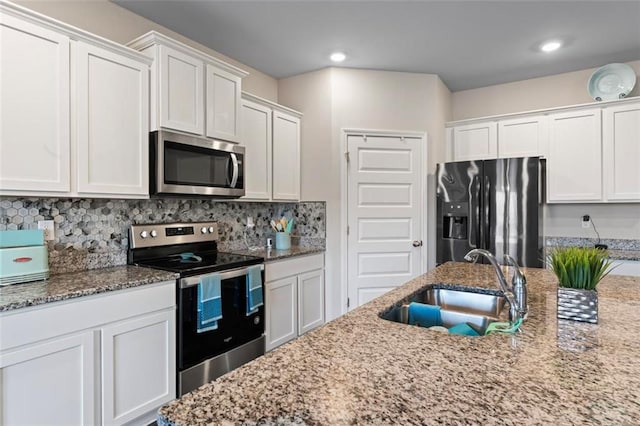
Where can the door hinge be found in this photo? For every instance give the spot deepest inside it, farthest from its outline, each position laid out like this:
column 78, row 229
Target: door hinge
column 348, row 302
column 346, row 156
column 347, row 229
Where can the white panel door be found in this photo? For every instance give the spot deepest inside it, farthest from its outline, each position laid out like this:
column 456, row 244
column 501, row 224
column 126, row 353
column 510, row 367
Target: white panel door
column 138, row 366
column 475, row 142
column 223, row 104
column 256, row 137
column 50, row 383
column 384, row 214
column 310, row 301
column 181, row 91
column 523, row 137
column 112, row 121
column 621, row 149
column 281, row 311
column 286, row 157
column 34, row 108
column 574, row 165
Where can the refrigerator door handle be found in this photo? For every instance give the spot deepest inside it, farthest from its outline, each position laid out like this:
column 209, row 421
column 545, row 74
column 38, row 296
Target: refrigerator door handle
column 474, row 216
column 486, row 205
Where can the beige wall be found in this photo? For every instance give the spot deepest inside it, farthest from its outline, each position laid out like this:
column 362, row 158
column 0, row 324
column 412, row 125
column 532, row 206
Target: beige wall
column 561, row 220
column 118, row 24
column 338, row 98
column 538, row 93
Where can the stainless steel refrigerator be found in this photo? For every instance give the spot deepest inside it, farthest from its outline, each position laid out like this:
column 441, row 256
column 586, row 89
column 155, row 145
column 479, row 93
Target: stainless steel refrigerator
column 491, row 204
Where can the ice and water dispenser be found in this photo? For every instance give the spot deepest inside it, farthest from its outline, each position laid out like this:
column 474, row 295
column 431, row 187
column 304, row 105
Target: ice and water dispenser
column 455, row 221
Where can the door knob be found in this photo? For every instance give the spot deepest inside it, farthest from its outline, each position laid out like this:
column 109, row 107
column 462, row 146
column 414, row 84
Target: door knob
column 417, row 243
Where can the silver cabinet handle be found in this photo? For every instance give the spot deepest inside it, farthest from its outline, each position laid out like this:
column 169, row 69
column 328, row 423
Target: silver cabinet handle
column 417, row 243
column 234, row 179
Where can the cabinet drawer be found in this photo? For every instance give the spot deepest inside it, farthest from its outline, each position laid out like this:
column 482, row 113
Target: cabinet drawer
column 26, row 326
column 298, row 265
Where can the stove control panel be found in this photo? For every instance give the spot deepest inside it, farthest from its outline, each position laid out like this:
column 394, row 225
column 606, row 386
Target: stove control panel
column 162, row 234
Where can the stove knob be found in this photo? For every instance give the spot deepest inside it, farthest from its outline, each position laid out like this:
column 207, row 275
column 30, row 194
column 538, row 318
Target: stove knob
column 154, row 233
column 211, row 229
column 144, row 234
column 203, row 230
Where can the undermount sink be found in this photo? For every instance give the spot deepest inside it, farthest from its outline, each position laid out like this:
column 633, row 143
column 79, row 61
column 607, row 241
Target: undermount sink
column 477, row 307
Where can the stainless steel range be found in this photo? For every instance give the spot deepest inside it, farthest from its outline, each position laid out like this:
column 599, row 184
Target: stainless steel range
column 190, row 249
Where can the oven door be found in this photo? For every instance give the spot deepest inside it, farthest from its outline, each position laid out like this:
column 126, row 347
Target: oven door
column 234, row 329
column 190, row 165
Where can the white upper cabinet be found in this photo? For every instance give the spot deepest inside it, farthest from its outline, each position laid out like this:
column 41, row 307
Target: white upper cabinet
column 286, row 157
column 34, row 107
column 256, row 137
column 112, row 122
column 271, row 134
column 181, row 84
column 523, row 137
column 191, row 91
column 476, row 141
column 73, row 113
column 621, row 149
column 574, row 166
column 224, row 91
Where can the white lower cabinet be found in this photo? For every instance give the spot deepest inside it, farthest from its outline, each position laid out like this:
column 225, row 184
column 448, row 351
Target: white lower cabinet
column 105, row 359
column 49, row 383
column 294, row 298
column 629, row 268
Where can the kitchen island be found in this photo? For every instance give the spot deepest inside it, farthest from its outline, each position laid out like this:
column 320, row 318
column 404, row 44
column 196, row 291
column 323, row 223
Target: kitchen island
column 362, row 369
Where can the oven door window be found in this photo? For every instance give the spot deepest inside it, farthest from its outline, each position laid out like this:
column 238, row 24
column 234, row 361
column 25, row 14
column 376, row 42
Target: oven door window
column 195, row 166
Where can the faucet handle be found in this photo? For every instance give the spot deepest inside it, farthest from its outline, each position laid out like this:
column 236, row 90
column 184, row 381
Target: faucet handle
column 518, row 276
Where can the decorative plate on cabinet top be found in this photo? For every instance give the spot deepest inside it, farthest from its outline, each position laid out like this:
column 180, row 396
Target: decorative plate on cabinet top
column 612, row 81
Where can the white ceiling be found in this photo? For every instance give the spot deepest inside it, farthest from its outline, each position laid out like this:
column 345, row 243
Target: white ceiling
column 469, row 44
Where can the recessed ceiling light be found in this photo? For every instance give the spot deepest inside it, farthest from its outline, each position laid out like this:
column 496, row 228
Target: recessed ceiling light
column 338, row 57
column 550, row 46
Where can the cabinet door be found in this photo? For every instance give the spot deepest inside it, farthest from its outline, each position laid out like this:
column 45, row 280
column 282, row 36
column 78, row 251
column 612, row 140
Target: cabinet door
column 310, row 301
column 223, row 104
column 181, row 91
column 138, row 366
column 34, row 108
column 49, row 383
column 256, row 137
column 626, row 267
column 574, row 165
column 281, row 311
column 621, row 149
column 112, row 122
column 286, row 157
column 475, row 142
column 523, row 137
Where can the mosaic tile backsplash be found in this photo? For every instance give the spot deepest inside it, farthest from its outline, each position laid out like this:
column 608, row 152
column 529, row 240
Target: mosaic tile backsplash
column 93, row 233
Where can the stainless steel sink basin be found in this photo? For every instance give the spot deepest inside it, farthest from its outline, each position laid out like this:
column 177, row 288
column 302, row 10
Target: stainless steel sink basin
column 477, row 307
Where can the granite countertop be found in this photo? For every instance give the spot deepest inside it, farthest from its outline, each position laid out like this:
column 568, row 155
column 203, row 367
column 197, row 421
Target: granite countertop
column 78, row 284
column 361, row 369
column 624, row 254
column 270, row 255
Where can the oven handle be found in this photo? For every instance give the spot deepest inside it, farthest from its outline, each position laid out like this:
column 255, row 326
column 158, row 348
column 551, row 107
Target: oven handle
column 233, row 273
column 234, row 179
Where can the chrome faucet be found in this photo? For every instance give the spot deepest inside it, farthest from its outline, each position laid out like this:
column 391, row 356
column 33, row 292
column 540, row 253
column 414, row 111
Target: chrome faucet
column 514, row 309
column 519, row 286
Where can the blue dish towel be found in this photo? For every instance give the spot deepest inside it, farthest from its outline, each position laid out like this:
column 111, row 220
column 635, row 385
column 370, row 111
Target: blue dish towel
column 424, row 315
column 254, row 289
column 209, row 303
column 463, row 329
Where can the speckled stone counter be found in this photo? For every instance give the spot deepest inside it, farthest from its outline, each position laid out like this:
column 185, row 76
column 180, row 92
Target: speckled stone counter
column 625, row 254
column 273, row 254
column 78, row 284
column 361, row 369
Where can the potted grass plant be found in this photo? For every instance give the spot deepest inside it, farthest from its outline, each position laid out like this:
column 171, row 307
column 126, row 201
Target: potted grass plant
column 579, row 270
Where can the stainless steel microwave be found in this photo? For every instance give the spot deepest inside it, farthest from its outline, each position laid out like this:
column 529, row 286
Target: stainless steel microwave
column 190, row 165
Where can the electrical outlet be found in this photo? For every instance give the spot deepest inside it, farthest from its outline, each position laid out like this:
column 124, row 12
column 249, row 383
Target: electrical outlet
column 250, row 223
column 49, row 229
column 586, row 221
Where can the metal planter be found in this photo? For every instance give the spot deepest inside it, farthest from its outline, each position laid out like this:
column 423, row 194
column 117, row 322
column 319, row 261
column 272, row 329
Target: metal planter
column 578, row 305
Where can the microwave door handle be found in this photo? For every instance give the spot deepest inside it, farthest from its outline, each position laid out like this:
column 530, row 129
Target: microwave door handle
column 234, row 163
